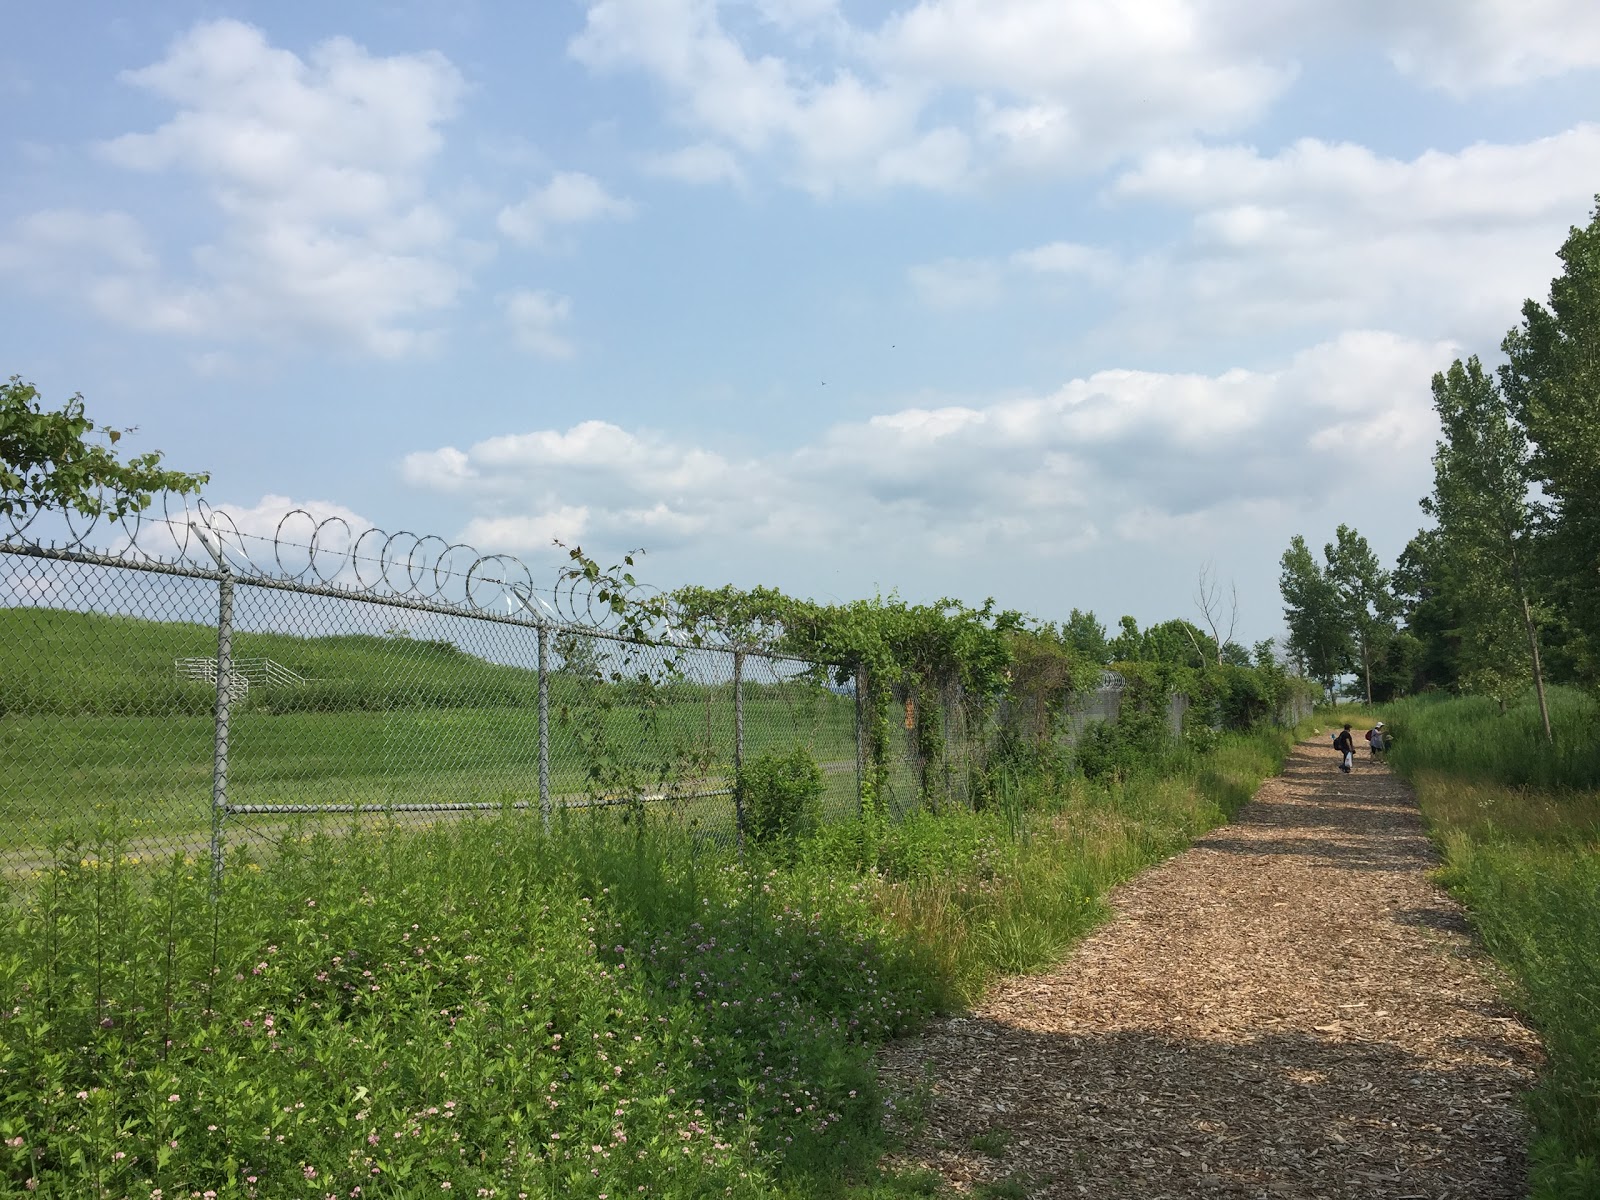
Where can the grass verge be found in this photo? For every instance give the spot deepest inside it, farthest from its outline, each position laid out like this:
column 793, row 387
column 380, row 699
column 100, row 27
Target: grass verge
column 485, row 1010
column 1519, row 824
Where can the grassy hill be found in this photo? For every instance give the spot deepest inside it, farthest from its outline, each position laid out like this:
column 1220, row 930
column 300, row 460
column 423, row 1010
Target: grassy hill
column 63, row 662
column 94, row 718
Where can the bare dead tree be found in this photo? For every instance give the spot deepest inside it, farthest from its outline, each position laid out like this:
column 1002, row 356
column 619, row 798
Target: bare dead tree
column 1208, row 599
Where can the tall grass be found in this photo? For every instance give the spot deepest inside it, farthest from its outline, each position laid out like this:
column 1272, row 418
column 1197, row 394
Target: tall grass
column 1519, row 823
column 608, row 1010
column 1471, row 737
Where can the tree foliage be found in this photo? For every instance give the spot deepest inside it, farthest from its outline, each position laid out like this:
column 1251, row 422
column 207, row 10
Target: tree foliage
column 1319, row 638
column 1551, row 382
column 49, row 459
column 1481, row 480
column 1364, row 602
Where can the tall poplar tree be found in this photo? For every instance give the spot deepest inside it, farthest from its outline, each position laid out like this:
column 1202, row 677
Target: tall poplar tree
column 1319, row 638
column 1481, row 478
column 1552, row 383
column 1366, row 604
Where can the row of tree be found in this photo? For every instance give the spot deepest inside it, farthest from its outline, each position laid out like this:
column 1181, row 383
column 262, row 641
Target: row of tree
column 1502, row 593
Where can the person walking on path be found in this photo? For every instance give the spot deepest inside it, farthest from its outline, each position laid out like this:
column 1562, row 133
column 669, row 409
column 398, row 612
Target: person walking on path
column 1377, row 741
column 1345, row 744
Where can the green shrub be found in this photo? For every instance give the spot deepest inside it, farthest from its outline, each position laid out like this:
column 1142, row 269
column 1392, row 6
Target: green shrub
column 782, row 795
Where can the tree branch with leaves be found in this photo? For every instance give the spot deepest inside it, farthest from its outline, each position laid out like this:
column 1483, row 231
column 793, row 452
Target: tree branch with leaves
column 51, row 459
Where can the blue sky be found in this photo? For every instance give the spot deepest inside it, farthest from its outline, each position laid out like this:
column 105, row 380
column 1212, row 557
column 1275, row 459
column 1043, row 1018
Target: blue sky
column 1054, row 302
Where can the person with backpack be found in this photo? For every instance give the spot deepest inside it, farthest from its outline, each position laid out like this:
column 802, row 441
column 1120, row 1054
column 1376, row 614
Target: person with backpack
column 1345, row 744
column 1377, row 741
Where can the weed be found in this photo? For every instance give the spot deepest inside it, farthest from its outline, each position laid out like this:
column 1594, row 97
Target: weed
column 604, row 1008
column 992, row 1142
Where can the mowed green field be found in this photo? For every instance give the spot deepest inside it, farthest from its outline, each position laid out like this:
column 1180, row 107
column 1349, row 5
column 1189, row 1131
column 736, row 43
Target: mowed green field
column 96, row 723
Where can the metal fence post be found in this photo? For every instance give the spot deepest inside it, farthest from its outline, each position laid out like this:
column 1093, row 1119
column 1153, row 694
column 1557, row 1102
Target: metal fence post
column 861, row 739
column 544, row 725
column 738, row 747
column 224, row 709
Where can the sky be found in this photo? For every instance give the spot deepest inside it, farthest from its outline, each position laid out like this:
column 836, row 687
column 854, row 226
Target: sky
column 1060, row 303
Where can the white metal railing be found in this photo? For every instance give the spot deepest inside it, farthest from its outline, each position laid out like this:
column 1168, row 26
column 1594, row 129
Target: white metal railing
column 262, row 672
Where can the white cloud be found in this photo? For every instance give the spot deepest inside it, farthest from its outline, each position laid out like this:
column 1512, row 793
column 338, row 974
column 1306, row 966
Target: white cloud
column 955, row 284
column 1103, row 458
column 1332, row 234
column 1066, row 258
column 1463, row 46
column 443, row 470
column 1076, row 84
column 836, row 129
column 317, row 170
column 958, row 283
column 570, row 198
column 524, row 534
column 536, row 320
column 941, row 93
column 703, row 162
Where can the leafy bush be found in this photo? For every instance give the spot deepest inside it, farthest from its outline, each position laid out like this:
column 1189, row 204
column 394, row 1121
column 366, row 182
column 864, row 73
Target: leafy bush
column 782, row 794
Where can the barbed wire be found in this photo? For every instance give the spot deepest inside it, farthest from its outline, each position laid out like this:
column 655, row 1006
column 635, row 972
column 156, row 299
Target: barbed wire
column 330, row 553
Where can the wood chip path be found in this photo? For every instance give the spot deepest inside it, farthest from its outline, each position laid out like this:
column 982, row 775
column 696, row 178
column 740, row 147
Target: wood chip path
column 1290, row 1008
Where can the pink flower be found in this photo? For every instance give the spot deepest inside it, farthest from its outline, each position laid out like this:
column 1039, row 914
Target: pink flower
column 309, row 1171
column 174, row 1098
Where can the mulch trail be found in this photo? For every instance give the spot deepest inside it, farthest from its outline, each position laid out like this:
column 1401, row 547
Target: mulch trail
column 1290, row 1008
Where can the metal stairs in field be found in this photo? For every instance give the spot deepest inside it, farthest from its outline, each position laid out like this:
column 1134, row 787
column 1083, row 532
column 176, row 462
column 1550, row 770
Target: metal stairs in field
column 245, row 673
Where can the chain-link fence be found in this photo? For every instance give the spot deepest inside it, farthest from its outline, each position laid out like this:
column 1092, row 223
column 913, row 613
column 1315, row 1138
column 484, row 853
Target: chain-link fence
column 189, row 686
column 200, row 688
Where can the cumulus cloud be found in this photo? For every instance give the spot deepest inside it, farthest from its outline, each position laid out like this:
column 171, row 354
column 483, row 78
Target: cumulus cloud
column 317, row 170
column 536, row 320
column 570, row 198
column 1464, row 46
column 1321, row 235
column 1335, row 234
column 826, row 130
column 1112, row 456
column 941, row 93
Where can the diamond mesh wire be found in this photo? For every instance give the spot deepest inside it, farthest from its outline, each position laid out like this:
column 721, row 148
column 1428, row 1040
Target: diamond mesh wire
column 375, row 678
column 101, row 735
column 345, row 709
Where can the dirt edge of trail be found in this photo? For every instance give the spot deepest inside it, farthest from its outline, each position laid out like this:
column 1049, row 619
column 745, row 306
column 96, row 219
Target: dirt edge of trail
column 1289, row 1008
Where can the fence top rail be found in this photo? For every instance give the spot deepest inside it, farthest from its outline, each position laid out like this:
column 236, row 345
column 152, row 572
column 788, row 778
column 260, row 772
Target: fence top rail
column 519, row 615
